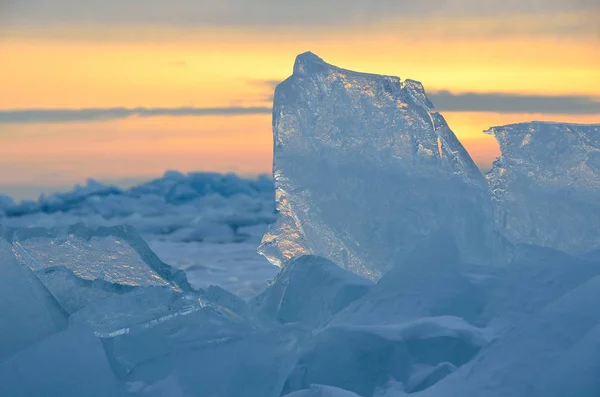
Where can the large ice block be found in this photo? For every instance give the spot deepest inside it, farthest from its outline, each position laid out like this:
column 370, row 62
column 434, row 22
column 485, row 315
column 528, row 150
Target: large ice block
column 365, row 168
column 546, row 184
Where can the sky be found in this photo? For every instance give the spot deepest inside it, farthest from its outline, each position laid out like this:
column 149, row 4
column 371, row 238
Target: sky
column 123, row 90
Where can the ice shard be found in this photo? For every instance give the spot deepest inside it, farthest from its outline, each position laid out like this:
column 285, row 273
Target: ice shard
column 309, row 291
column 110, row 255
column 109, row 282
column 105, row 278
column 28, row 312
column 431, row 275
column 365, row 168
column 546, row 185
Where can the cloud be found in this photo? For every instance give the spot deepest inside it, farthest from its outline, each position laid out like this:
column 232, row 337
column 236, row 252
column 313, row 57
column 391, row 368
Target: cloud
column 514, row 103
column 34, row 116
column 267, row 12
column 443, row 100
column 496, row 102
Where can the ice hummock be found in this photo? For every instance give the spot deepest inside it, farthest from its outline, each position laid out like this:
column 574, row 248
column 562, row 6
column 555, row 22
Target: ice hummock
column 363, row 359
column 109, row 286
column 413, row 328
column 520, row 362
column 546, row 184
column 364, row 168
column 106, row 279
column 5, row 202
column 61, row 202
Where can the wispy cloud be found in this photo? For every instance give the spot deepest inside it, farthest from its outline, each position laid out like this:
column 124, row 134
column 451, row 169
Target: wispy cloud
column 34, row 116
column 443, row 101
column 515, row 103
column 497, row 102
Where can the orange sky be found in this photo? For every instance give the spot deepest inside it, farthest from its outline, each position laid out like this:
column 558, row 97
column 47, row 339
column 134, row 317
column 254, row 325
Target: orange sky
column 74, row 67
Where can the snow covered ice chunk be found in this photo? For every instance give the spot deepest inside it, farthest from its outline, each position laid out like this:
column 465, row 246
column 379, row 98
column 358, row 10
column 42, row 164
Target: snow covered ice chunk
column 364, row 168
column 546, row 184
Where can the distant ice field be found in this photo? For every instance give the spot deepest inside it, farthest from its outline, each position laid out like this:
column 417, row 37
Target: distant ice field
column 208, row 225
